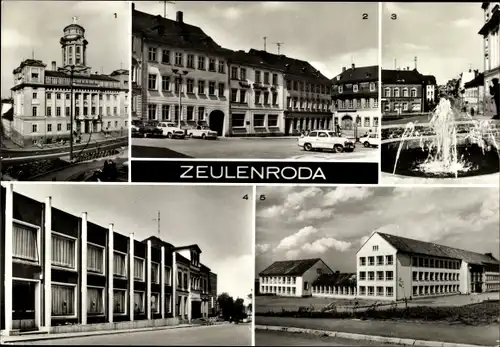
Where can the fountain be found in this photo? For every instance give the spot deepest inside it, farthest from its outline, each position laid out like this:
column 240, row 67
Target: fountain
column 450, row 145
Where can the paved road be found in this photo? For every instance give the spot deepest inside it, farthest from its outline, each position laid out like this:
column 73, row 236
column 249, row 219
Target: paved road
column 476, row 335
column 241, row 148
column 277, row 338
column 218, row 335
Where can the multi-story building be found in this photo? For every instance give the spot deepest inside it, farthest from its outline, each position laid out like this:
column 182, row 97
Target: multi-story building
column 43, row 100
column 60, row 271
column 394, row 268
column 355, row 99
column 474, row 94
column 292, row 277
column 430, row 89
column 402, row 92
column 256, row 95
column 180, row 71
column 490, row 33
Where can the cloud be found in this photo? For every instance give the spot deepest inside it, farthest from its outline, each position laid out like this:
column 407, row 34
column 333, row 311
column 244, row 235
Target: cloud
column 231, row 13
column 262, row 248
column 392, row 7
column 332, row 66
column 300, row 237
column 232, row 268
column 292, row 254
column 314, row 213
column 343, row 194
column 12, row 38
column 324, row 244
column 462, row 22
column 412, row 46
column 276, row 5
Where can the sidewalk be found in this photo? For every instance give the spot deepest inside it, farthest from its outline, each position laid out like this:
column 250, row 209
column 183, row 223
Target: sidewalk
column 432, row 331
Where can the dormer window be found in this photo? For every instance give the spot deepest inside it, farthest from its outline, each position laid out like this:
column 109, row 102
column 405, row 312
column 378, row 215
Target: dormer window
column 340, row 89
column 355, row 88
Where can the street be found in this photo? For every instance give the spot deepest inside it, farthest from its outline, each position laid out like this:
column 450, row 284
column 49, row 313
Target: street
column 215, row 335
column 275, row 338
column 242, row 148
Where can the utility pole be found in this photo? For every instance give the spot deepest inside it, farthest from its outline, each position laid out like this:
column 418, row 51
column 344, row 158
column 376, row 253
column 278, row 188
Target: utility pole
column 279, row 44
column 165, row 7
column 265, row 39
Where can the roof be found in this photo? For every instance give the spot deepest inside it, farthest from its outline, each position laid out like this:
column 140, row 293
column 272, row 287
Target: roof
column 336, row 279
column 406, row 245
column 429, row 79
column 8, row 112
column 196, row 247
column 29, row 62
column 289, row 267
column 477, row 81
column 357, row 74
column 50, row 73
column 402, row 77
column 491, row 24
column 171, row 32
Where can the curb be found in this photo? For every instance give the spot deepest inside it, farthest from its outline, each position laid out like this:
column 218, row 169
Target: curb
column 362, row 337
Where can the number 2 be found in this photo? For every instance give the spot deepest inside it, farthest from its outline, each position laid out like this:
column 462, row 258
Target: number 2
column 365, row 15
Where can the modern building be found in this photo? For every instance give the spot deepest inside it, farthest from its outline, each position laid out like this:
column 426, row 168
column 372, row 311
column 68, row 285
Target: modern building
column 355, row 100
column 402, row 92
column 179, row 73
column 60, row 272
column 394, row 268
column 335, row 285
column 490, row 33
column 43, row 103
column 292, row 277
column 256, row 95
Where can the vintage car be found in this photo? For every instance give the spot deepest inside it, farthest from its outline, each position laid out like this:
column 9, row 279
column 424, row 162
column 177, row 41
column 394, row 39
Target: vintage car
column 370, row 140
column 325, row 139
column 202, row 132
column 145, row 129
column 171, row 130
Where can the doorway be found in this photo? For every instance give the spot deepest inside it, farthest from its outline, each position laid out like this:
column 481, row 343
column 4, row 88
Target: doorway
column 195, row 309
column 288, row 124
column 347, row 123
column 216, row 122
column 24, row 315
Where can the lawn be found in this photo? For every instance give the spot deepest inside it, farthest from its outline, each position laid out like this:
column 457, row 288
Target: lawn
column 277, row 304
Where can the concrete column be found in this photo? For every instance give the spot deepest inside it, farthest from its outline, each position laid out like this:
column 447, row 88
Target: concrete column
column 174, row 284
column 131, row 276
column 189, row 298
column 162, row 283
column 48, row 263
column 83, row 270
column 9, row 226
column 148, row 279
column 111, row 271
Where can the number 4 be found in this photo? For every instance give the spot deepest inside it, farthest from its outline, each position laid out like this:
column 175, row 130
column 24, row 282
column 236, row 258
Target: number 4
column 245, row 197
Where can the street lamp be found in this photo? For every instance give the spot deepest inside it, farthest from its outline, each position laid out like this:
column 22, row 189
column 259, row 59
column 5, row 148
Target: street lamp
column 179, row 75
column 72, row 70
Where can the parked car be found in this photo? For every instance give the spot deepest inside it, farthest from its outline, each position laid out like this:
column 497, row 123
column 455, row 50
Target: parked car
column 171, row 130
column 145, row 129
column 370, row 140
column 203, row 132
column 324, row 139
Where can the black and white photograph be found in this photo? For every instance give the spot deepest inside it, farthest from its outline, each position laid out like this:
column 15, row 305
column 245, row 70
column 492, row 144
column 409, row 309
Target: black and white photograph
column 81, row 267
column 65, row 91
column 230, row 80
column 440, row 93
column 384, row 266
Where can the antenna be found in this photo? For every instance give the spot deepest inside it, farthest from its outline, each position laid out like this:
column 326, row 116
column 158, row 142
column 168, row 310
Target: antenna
column 279, row 44
column 415, row 60
column 165, row 7
column 265, row 39
column 33, row 53
column 158, row 219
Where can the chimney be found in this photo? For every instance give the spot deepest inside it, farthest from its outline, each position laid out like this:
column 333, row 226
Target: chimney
column 180, row 17
column 53, row 65
column 489, row 255
column 353, row 66
column 343, row 69
column 338, row 272
column 408, row 68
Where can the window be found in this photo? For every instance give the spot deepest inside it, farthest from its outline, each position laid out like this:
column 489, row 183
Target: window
column 396, row 92
column 178, row 58
column 168, row 276
column 415, row 275
column 266, row 77
column 375, row 248
column 165, row 114
column 151, row 112
column 389, row 275
column 24, row 242
column 221, row 89
column 59, row 127
column 380, row 291
column 190, row 86
column 388, row 260
column 258, row 120
column 35, row 95
column 63, row 300
column 371, row 261
column 155, row 303
column 380, row 275
column 380, row 260
column 190, row 61
column 120, row 301
column 211, row 64
column 362, row 261
column 371, row 275
column 362, row 276
column 389, row 291
column 138, row 302
column 119, row 264
column 34, row 111
column 201, row 63
column 355, row 88
column 405, row 92
column 413, row 93
column 138, row 269
column 275, row 98
column 234, row 95
column 151, row 81
column 201, row 87
column 49, row 96
column 257, row 97
column 387, row 93
column 190, row 113
column 95, row 258
column 201, row 113
column 155, row 275
column 221, row 67
column 238, row 120
column 95, row 300
column 243, row 95
column 63, row 251
column 372, row 86
column 165, row 83
column 275, row 78
column 272, row 120
column 266, row 98
column 152, row 54
column 362, row 290
column 211, row 88
column 257, row 76
column 371, row 291
column 234, row 72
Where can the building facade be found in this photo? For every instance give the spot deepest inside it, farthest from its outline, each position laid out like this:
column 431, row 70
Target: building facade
column 43, row 102
column 61, row 271
column 474, row 94
column 292, row 278
column 402, row 93
column 491, row 47
column 180, row 74
column 256, row 96
column 396, row 268
column 431, row 93
column 355, row 100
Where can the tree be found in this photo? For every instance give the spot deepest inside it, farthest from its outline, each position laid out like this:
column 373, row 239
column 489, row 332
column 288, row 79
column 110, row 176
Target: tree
column 238, row 310
column 226, row 303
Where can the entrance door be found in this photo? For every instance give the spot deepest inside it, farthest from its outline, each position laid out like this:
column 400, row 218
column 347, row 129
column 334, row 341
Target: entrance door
column 288, row 123
column 216, row 122
column 23, row 305
column 347, row 123
column 195, row 309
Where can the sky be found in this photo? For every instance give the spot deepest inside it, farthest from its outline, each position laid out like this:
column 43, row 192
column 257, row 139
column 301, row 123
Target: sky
column 38, row 26
column 217, row 219
column 333, row 223
column 327, row 35
column 444, row 37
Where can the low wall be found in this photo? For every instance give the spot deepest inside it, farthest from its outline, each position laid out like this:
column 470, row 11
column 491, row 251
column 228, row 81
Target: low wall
column 138, row 324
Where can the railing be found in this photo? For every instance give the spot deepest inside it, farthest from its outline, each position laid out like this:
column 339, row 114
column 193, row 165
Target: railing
column 333, row 291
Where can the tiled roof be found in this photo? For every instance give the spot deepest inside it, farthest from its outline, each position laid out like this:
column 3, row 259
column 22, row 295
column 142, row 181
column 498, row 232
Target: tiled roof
column 171, row 32
column 406, row 245
column 401, row 77
column 50, row 73
column 289, row 267
column 357, row 74
column 336, row 279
